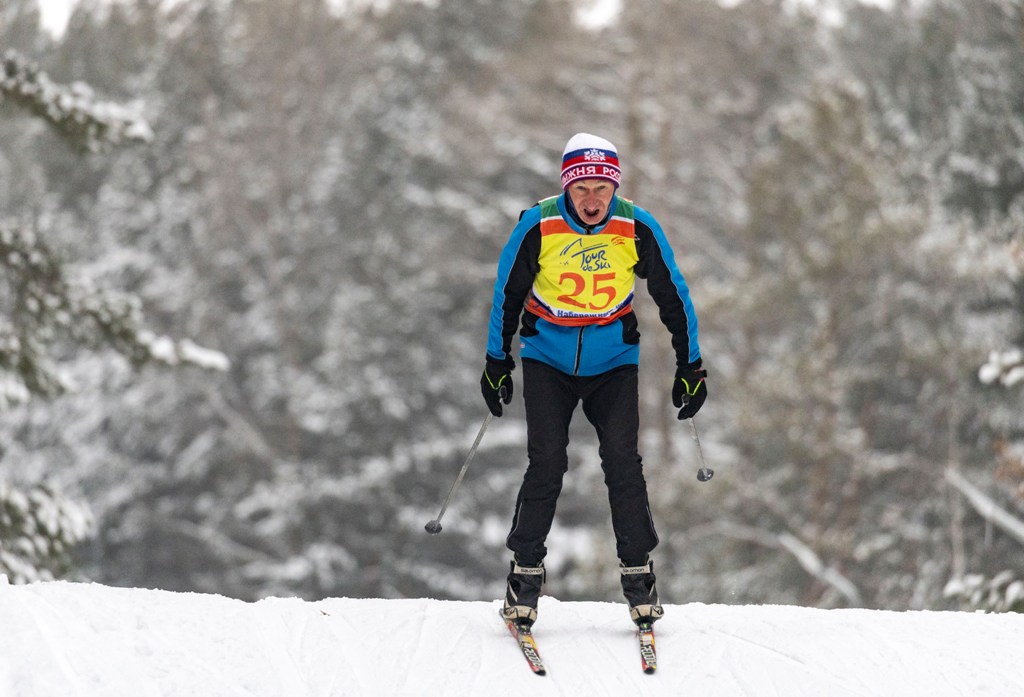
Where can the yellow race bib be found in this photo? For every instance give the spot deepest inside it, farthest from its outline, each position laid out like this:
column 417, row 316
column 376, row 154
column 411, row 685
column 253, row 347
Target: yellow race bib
column 584, row 279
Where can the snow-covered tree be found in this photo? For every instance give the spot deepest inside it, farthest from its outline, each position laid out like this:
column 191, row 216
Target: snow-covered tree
column 326, row 188
column 73, row 111
column 38, row 530
column 943, row 92
column 49, row 310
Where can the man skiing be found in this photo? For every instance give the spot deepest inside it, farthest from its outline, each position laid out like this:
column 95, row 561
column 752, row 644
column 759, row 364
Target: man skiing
column 570, row 263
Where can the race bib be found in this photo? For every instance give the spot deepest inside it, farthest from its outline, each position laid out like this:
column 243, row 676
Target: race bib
column 585, row 279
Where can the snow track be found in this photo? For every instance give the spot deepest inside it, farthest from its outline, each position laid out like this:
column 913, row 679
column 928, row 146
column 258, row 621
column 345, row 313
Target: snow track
column 82, row 640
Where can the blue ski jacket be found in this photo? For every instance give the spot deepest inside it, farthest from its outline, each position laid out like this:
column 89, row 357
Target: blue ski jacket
column 571, row 286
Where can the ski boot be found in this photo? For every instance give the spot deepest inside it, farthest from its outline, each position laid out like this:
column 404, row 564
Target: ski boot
column 638, row 585
column 522, row 593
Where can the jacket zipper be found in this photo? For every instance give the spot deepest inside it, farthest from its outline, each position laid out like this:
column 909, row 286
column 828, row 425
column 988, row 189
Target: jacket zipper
column 588, row 230
column 579, row 351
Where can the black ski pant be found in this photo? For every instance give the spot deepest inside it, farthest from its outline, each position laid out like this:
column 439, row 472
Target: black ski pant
column 611, row 404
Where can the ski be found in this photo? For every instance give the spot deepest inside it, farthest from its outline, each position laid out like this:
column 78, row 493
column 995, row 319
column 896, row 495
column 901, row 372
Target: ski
column 524, row 637
column 648, row 656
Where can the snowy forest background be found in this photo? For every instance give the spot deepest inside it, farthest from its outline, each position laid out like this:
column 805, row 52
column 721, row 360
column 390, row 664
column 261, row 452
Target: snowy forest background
column 248, row 250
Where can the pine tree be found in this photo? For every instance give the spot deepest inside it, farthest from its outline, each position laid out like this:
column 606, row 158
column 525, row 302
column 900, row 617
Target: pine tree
column 46, row 311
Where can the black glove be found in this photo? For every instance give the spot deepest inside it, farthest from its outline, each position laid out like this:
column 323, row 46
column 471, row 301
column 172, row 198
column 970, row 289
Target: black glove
column 689, row 389
column 496, row 383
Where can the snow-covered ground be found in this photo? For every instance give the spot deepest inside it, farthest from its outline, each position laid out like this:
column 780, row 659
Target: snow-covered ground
column 82, row 640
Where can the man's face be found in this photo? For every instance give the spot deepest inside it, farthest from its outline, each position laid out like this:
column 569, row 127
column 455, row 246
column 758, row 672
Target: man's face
column 591, row 197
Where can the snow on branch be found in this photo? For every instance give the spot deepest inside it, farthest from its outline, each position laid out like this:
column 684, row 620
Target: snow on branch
column 813, row 565
column 39, row 305
column 986, row 507
column 38, row 529
column 1007, row 367
column 1002, row 593
column 72, row 110
column 804, row 555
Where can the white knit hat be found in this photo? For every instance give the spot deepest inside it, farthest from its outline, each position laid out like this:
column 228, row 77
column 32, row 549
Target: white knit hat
column 588, row 156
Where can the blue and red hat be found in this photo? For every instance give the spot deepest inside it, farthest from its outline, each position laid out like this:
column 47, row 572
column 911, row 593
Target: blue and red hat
column 588, row 156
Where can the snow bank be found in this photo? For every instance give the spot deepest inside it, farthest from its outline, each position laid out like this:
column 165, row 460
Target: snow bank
column 63, row 639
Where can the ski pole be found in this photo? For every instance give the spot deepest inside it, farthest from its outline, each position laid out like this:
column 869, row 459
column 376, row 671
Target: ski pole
column 704, row 473
column 434, row 526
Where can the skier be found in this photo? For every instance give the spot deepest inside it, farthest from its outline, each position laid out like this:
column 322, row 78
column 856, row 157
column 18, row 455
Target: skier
column 570, row 263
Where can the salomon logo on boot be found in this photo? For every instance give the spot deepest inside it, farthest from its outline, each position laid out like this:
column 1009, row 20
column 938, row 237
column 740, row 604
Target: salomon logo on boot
column 522, row 593
column 641, row 591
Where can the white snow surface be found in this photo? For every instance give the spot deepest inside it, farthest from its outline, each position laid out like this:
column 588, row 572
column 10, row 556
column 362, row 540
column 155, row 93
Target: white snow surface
column 90, row 640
